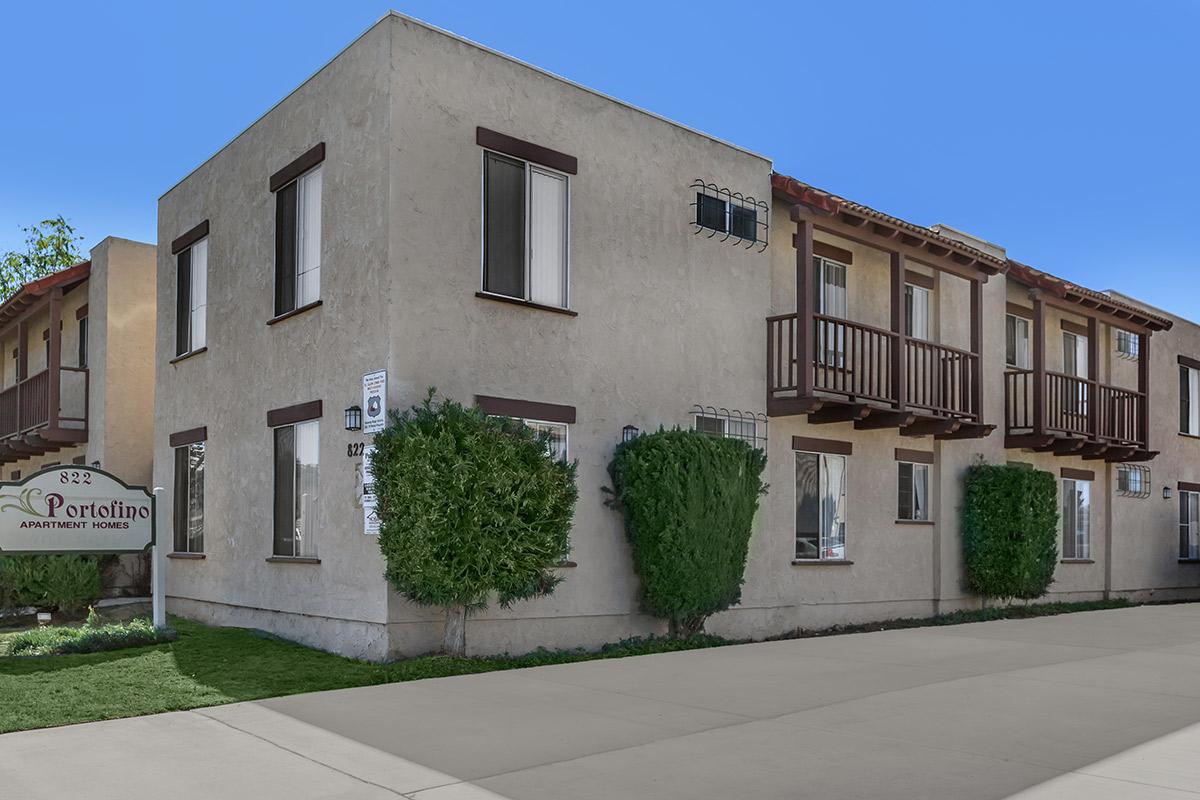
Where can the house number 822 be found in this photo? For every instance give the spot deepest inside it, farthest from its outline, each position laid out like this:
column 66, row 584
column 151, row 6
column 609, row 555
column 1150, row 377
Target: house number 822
column 354, row 449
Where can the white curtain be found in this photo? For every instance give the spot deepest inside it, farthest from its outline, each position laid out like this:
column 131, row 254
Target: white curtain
column 308, row 249
column 547, row 238
column 833, row 506
column 199, row 308
column 307, row 440
column 918, row 311
column 920, row 491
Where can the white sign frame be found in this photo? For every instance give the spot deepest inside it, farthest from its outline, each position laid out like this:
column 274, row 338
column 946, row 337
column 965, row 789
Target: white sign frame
column 374, row 395
column 370, row 502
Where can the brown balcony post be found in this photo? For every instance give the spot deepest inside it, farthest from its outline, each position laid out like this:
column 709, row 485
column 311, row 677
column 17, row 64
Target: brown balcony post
column 1039, row 361
column 22, row 350
column 53, row 383
column 805, row 308
column 898, row 364
column 977, row 349
column 1143, row 411
column 1093, row 377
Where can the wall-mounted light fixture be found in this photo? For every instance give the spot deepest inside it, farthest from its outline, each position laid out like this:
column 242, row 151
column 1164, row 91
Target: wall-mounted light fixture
column 1166, row 493
column 629, row 432
column 354, row 418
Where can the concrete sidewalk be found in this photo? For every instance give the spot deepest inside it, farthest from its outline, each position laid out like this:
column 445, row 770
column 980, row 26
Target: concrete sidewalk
column 1102, row 704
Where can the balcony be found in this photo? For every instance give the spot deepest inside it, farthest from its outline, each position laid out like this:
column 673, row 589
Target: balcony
column 855, row 375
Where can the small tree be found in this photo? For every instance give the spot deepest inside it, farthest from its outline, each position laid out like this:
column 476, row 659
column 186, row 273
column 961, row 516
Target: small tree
column 689, row 500
column 1010, row 530
column 470, row 506
column 50, row 245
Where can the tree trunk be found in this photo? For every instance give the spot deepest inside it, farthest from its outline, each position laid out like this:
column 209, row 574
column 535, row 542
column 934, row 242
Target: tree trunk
column 454, row 635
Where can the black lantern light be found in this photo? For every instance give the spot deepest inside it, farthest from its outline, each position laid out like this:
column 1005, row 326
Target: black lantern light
column 629, row 433
column 1166, row 493
column 354, row 418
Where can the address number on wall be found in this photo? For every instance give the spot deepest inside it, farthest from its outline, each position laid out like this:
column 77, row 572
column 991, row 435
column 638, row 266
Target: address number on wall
column 354, row 449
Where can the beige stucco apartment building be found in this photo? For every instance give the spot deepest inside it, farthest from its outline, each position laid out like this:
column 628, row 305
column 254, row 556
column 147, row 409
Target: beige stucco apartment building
column 430, row 208
column 77, row 376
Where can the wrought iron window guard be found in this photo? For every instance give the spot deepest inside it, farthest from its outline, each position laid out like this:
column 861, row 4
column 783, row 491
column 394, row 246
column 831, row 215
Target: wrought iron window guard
column 735, row 217
column 1133, row 480
column 731, row 423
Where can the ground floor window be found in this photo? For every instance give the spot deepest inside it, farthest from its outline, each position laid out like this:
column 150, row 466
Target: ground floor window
column 189, row 498
column 913, row 485
column 1189, row 533
column 296, row 498
column 1076, row 516
column 820, row 506
column 556, row 446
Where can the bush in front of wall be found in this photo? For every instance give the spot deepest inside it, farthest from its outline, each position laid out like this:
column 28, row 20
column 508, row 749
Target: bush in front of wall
column 62, row 582
column 1010, row 530
column 689, row 500
column 471, row 507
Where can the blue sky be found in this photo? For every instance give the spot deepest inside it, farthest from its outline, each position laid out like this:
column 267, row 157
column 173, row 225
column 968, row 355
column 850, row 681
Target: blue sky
column 1063, row 131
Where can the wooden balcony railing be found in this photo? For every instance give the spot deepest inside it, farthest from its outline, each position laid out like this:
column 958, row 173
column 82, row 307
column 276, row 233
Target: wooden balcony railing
column 1073, row 407
column 25, row 406
column 856, row 361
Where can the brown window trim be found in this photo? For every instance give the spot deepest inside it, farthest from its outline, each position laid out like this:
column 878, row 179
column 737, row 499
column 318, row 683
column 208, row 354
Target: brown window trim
column 566, row 565
column 1189, row 362
column 832, row 252
column 82, row 311
column 294, row 312
column 821, row 562
column 79, row 461
column 830, row 446
column 1077, row 474
column 188, row 556
column 526, row 151
column 1074, row 327
column 190, row 238
column 290, row 415
column 1187, row 486
column 1077, row 561
column 917, row 279
column 292, row 560
column 187, row 355
column 307, row 160
column 46, row 332
column 525, row 409
column 190, row 436
column 914, row 456
column 1018, row 311
column 516, row 301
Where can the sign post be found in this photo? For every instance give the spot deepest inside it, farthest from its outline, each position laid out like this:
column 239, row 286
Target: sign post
column 81, row 509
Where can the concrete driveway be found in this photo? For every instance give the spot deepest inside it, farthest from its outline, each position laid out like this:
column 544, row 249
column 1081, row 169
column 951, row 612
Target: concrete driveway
column 1097, row 705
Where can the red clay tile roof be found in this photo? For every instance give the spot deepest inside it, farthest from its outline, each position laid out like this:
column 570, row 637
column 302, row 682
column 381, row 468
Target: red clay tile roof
column 28, row 294
column 1087, row 298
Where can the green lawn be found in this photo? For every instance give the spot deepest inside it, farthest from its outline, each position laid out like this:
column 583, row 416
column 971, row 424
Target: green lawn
column 210, row 666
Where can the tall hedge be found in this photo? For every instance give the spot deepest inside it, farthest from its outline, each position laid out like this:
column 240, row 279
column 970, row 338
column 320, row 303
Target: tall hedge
column 688, row 499
column 1010, row 530
column 471, row 507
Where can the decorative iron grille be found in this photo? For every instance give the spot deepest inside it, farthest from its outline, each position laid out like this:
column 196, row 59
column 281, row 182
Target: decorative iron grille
column 747, row 426
column 1133, row 480
column 735, row 217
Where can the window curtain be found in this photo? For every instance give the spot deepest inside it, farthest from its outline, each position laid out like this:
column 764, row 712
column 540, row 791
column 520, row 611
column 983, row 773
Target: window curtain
column 308, row 241
column 548, row 238
column 285, row 491
column 199, row 295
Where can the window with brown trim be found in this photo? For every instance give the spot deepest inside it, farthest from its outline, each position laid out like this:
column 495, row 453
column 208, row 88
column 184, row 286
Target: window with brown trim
column 296, row 498
column 298, row 190
column 189, row 498
column 820, row 506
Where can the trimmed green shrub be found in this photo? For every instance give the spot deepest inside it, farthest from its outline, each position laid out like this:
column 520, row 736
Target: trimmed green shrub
column 61, row 640
column 470, row 506
column 689, row 500
column 1010, row 530
column 63, row 582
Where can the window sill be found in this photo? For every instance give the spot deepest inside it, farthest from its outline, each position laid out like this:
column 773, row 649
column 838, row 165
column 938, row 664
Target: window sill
column 527, row 303
column 293, row 312
column 1189, row 435
column 821, row 562
column 292, row 560
column 1077, row 561
column 188, row 355
column 187, row 556
column 1189, row 561
column 915, row 522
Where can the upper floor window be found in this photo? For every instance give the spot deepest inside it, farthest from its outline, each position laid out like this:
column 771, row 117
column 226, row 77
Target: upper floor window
column 723, row 211
column 916, row 311
column 1189, row 400
column 1128, row 344
column 525, row 220
column 83, row 342
column 298, row 242
column 1016, row 341
column 191, row 297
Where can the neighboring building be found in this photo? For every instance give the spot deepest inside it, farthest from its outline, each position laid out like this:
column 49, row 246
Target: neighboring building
column 463, row 220
column 77, row 375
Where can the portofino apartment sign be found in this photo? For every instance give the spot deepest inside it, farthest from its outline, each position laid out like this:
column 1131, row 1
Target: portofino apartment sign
column 75, row 510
